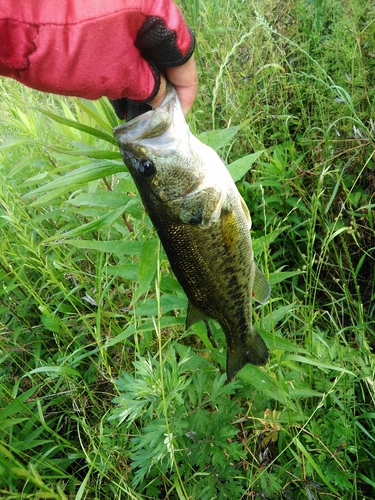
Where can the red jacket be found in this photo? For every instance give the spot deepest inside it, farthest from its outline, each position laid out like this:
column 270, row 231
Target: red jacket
column 92, row 48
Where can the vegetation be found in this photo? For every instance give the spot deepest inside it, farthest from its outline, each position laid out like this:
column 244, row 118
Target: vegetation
column 103, row 394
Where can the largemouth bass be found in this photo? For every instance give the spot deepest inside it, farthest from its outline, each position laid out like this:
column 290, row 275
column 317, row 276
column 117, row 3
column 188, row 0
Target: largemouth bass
column 203, row 224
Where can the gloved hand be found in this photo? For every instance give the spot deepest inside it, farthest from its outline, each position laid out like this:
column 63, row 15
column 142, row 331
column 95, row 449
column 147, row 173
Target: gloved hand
column 95, row 48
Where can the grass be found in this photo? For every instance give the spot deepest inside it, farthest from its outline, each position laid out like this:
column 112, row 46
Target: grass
column 102, row 392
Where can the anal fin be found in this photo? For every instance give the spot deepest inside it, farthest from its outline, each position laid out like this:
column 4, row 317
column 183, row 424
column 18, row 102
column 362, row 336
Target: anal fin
column 193, row 316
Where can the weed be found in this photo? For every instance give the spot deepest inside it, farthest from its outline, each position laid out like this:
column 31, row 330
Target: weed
column 102, row 392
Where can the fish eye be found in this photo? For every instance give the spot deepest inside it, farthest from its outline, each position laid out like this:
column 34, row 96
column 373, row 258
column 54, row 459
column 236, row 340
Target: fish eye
column 146, row 167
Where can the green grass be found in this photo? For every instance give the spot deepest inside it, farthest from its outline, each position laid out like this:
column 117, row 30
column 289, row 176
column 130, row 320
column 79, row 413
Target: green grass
column 102, row 392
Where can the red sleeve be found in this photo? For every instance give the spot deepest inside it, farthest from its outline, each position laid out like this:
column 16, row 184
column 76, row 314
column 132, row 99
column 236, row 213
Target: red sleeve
column 92, row 48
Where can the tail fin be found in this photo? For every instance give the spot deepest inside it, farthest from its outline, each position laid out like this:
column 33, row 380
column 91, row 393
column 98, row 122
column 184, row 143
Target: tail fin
column 254, row 351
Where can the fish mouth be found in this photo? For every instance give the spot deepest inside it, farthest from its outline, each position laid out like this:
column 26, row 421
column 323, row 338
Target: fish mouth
column 146, row 126
column 156, row 128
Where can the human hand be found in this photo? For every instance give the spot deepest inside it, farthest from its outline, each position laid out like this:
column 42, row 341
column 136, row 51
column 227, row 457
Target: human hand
column 116, row 49
column 185, row 80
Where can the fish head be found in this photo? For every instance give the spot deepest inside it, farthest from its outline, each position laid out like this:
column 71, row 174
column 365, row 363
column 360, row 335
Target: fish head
column 156, row 148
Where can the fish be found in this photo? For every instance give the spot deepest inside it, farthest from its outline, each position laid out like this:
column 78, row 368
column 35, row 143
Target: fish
column 203, row 224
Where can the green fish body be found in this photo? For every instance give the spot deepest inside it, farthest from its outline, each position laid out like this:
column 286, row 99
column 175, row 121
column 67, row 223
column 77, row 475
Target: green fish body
column 203, row 224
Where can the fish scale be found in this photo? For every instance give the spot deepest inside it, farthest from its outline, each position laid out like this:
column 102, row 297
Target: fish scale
column 202, row 222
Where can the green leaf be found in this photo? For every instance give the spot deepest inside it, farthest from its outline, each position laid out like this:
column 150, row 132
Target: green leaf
column 5, row 423
column 103, row 200
column 147, row 267
column 11, row 141
column 100, row 223
column 47, row 198
column 115, row 247
column 51, row 323
column 82, row 175
column 168, row 303
column 277, row 315
column 35, row 178
column 314, row 465
column 260, row 244
column 109, row 112
column 80, row 126
column 18, row 404
column 218, row 139
column 263, row 382
column 83, row 486
column 336, row 233
column 93, row 110
column 97, row 154
column 60, row 370
column 193, row 361
column 367, row 480
column 128, row 271
column 275, row 342
column 146, row 326
column 316, row 363
column 240, row 167
column 279, row 276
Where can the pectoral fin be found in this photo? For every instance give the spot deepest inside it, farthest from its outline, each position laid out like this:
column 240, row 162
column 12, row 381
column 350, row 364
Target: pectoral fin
column 261, row 287
column 199, row 208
